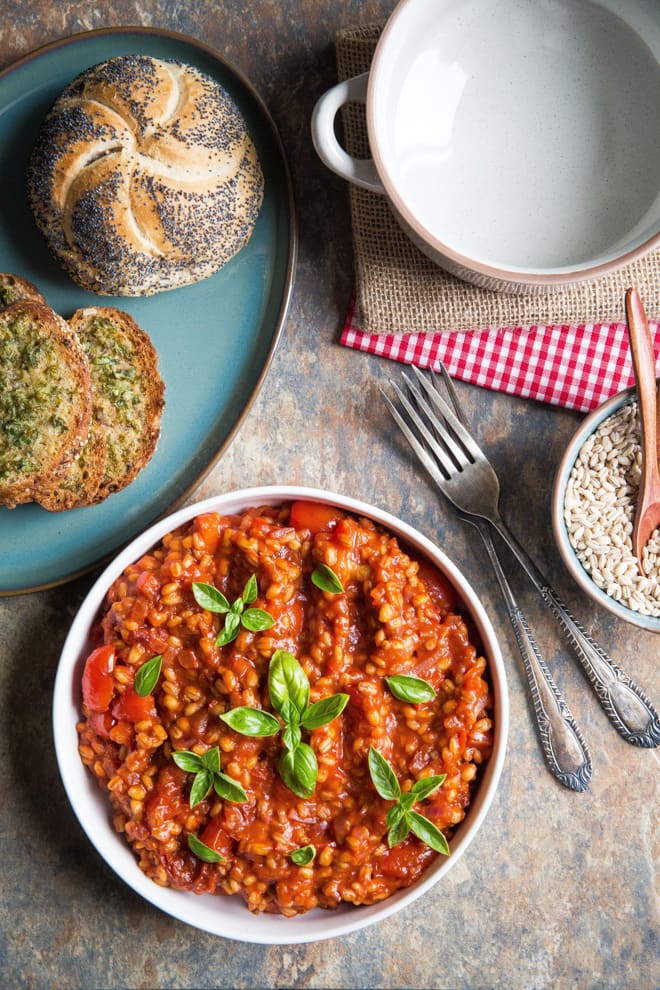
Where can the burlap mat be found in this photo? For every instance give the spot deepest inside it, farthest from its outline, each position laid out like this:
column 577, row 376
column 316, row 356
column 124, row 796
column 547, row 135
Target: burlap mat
column 399, row 290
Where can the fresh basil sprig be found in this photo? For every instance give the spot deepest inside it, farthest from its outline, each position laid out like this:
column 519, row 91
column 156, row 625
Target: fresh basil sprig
column 146, row 676
column 288, row 687
column 401, row 819
column 237, row 615
column 414, row 690
column 202, row 851
column 206, row 768
column 325, row 578
column 303, row 856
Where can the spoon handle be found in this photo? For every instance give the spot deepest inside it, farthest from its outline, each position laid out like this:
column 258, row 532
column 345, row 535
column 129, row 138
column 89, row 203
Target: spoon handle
column 641, row 347
column 657, row 426
column 647, row 512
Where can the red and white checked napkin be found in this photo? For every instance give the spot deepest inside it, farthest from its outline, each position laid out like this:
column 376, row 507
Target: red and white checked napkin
column 577, row 367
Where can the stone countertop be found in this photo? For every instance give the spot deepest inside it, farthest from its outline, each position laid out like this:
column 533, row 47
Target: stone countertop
column 557, row 889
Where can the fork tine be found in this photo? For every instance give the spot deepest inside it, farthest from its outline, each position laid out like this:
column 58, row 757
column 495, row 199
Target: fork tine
column 429, row 463
column 462, row 434
column 442, row 455
column 441, row 430
column 451, row 392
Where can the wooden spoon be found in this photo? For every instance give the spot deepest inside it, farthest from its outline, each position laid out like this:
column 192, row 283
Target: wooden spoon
column 647, row 513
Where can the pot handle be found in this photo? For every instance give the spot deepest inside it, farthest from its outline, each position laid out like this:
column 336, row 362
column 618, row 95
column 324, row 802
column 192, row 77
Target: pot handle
column 360, row 171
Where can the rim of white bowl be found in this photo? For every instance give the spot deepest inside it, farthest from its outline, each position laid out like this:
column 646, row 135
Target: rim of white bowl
column 591, row 422
column 228, row 917
column 486, row 269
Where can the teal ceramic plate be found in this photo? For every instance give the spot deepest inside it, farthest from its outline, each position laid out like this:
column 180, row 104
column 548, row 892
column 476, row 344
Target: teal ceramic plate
column 214, row 339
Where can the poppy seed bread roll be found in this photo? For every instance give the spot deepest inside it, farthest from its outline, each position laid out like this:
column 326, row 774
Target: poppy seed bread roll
column 143, row 177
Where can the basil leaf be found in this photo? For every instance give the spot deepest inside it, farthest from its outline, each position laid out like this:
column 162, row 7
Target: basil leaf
column 383, row 776
column 146, row 677
column 230, row 630
column 426, row 786
column 201, row 786
column 287, row 679
column 394, row 815
column 190, row 762
column 324, row 711
column 209, row 597
column 237, row 607
column 415, row 690
column 299, row 770
column 398, row 832
column 304, row 855
column 400, row 819
column 428, row 833
column 211, row 760
column 290, row 713
column 257, row 619
column 292, row 735
column 286, row 768
column 251, row 721
column 325, row 578
column 229, row 789
column 202, row 851
column 250, row 590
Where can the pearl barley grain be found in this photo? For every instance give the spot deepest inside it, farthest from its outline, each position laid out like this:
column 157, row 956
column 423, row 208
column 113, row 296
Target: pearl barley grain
column 599, row 511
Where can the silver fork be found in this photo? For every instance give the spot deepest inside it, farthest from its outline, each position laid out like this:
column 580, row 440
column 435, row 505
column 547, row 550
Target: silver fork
column 463, row 473
column 562, row 743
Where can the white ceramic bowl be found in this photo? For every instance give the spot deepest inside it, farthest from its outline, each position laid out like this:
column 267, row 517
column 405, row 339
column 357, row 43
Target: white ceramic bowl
column 570, row 558
column 517, row 141
column 228, row 916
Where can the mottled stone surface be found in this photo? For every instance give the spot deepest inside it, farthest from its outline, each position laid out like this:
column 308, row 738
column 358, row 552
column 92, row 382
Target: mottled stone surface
column 557, row 889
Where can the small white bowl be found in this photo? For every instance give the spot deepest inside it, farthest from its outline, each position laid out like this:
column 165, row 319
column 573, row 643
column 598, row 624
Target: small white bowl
column 588, row 426
column 228, row 916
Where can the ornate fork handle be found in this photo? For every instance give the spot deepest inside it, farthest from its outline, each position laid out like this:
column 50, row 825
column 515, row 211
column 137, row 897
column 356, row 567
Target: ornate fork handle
column 563, row 746
column 623, row 701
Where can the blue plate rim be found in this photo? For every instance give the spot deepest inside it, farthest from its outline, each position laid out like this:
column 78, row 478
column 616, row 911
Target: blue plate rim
column 124, row 31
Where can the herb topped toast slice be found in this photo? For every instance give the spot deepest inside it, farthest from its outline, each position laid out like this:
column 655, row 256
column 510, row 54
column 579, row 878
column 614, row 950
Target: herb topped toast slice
column 127, row 391
column 80, row 483
column 45, row 400
column 15, row 287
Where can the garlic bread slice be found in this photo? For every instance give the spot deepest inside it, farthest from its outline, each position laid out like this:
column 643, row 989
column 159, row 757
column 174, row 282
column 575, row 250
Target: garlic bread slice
column 45, row 400
column 14, row 287
column 127, row 389
column 80, row 483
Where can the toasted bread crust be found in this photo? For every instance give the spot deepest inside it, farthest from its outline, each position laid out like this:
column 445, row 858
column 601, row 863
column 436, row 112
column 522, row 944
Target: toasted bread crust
column 14, row 288
column 79, row 484
column 45, row 400
column 127, row 388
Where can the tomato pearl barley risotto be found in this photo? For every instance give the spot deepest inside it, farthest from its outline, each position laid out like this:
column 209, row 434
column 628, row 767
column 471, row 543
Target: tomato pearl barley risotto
column 284, row 705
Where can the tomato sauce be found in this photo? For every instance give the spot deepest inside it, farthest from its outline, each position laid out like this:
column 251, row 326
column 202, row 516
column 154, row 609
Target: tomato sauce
column 394, row 615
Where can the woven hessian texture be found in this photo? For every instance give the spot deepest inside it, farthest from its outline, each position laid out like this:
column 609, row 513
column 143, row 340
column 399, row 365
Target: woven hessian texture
column 398, row 289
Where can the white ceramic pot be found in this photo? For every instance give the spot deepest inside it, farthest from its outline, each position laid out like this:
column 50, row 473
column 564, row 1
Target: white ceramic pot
column 518, row 141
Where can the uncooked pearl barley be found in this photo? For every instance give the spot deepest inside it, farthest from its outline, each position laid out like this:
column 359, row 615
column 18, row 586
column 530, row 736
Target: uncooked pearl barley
column 599, row 511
